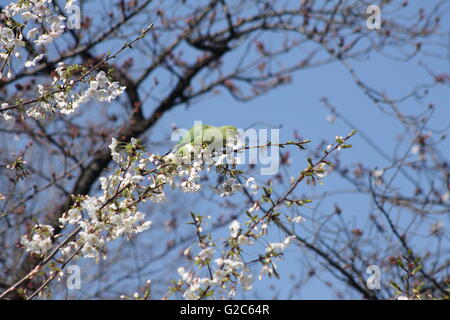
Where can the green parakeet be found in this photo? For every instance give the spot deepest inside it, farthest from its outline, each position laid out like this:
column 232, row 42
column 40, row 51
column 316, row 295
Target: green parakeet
column 205, row 135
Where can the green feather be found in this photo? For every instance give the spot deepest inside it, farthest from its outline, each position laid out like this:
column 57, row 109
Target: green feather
column 205, row 135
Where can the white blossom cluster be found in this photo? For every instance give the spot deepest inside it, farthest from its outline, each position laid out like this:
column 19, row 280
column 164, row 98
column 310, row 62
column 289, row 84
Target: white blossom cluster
column 225, row 272
column 34, row 21
column 227, row 275
column 104, row 218
column 229, row 271
column 41, row 240
column 198, row 158
column 30, row 20
column 66, row 101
